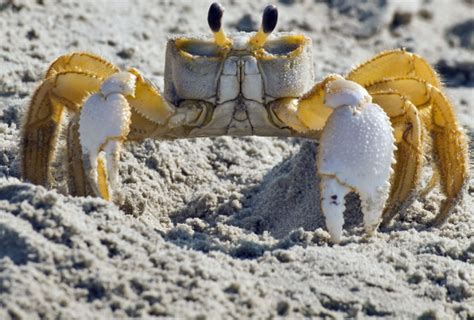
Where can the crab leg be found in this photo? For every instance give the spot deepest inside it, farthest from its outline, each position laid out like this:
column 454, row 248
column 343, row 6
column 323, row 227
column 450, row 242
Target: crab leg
column 451, row 148
column 450, row 145
column 409, row 136
column 41, row 128
column 45, row 119
column 391, row 64
column 66, row 84
column 78, row 184
column 82, row 61
column 415, row 79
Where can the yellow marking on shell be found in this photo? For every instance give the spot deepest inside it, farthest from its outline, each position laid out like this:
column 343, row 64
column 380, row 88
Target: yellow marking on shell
column 148, row 101
column 182, row 45
column 102, row 179
column 300, row 41
column 297, row 39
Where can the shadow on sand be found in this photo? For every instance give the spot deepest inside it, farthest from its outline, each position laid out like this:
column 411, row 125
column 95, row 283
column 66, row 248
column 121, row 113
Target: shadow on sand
column 282, row 206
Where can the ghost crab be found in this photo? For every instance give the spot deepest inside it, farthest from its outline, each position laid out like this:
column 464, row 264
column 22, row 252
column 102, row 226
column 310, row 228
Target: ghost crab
column 372, row 124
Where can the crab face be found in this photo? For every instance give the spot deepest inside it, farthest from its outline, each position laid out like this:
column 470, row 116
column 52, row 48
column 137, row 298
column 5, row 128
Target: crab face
column 238, row 80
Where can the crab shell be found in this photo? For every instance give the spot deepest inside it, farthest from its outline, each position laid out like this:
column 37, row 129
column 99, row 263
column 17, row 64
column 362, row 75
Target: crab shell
column 238, row 84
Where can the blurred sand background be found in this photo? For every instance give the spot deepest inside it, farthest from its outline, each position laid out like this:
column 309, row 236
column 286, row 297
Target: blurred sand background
column 224, row 227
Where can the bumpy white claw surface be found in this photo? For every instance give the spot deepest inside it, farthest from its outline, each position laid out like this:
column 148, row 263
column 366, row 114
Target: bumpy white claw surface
column 103, row 125
column 356, row 153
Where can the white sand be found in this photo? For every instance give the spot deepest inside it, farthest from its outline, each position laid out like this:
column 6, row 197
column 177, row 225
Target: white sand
column 225, row 227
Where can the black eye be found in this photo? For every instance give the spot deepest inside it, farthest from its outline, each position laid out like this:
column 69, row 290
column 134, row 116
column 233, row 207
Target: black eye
column 269, row 19
column 214, row 16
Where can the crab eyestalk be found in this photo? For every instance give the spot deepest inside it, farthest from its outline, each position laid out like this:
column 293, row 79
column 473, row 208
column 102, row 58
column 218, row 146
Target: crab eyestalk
column 269, row 21
column 214, row 18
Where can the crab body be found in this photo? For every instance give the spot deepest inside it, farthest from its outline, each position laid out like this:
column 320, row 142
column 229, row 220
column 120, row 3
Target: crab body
column 236, row 85
column 372, row 123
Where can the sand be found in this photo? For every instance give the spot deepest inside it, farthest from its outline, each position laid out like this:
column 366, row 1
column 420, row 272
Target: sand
column 225, row 227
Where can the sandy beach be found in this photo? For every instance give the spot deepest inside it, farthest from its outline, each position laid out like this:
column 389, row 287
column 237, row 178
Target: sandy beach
column 225, row 228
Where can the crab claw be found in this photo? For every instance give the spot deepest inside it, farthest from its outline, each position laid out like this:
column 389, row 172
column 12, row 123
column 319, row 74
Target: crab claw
column 103, row 126
column 356, row 153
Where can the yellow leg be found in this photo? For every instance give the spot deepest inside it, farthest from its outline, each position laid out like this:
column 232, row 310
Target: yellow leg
column 140, row 127
column 311, row 109
column 449, row 142
column 40, row 135
column 431, row 184
column 81, row 61
column 148, row 101
column 78, row 184
column 72, row 87
column 44, row 120
column 68, row 81
column 395, row 63
column 416, row 90
column 409, row 137
column 451, row 151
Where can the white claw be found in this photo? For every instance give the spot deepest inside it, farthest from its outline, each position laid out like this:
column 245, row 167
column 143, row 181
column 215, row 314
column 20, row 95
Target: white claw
column 356, row 151
column 121, row 82
column 342, row 92
column 333, row 205
column 112, row 157
column 103, row 125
